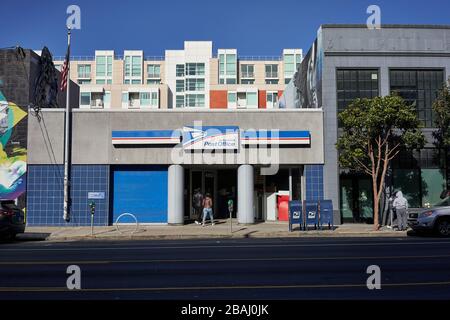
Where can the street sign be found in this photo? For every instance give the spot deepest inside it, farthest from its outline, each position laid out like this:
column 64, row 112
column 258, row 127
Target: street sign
column 96, row 196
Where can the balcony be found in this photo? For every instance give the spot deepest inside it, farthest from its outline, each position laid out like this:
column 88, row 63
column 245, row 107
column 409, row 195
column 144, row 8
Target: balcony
column 84, row 76
column 247, row 75
column 271, row 74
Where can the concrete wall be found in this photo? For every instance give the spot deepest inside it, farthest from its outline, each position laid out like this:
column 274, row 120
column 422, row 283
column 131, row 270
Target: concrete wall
column 91, row 141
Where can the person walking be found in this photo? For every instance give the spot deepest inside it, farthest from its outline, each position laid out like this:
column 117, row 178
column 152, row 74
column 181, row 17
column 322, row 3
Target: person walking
column 207, row 209
column 197, row 203
column 401, row 208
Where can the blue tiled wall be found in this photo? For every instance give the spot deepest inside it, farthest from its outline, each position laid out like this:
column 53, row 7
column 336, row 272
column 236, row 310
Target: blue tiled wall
column 314, row 182
column 45, row 195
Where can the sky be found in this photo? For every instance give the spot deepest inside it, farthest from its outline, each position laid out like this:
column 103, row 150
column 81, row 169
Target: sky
column 254, row 27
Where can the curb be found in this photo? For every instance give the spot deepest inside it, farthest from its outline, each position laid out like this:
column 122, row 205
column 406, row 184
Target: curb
column 225, row 236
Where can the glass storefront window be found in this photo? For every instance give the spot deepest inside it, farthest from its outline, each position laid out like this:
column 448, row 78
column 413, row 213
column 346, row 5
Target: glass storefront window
column 418, row 87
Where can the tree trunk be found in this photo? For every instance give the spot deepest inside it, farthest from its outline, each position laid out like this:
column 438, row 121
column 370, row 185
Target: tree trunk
column 376, row 204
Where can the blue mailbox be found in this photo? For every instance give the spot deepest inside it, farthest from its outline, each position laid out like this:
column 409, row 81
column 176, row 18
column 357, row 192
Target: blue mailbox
column 311, row 213
column 326, row 213
column 295, row 214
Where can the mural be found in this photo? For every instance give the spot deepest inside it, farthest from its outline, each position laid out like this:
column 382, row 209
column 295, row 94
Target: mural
column 305, row 89
column 13, row 159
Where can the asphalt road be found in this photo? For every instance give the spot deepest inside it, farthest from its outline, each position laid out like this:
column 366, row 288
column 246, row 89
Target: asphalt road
column 326, row 268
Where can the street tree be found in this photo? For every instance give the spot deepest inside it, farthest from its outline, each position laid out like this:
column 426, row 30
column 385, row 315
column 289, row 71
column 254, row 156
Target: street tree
column 441, row 107
column 373, row 131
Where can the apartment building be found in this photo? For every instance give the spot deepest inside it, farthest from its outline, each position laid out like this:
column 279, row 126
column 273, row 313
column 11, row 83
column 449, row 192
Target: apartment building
column 194, row 77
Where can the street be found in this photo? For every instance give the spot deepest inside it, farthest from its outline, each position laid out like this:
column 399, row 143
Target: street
column 319, row 268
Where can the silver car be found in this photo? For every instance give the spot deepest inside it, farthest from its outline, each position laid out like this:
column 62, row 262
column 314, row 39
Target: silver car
column 436, row 218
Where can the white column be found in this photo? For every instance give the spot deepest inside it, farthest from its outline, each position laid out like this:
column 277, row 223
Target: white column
column 245, row 213
column 175, row 190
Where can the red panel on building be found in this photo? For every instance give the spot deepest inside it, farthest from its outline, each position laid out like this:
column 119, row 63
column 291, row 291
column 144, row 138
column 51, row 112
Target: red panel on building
column 218, row 99
column 262, row 103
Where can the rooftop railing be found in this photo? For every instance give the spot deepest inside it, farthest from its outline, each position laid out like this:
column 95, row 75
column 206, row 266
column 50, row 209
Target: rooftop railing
column 161, row 58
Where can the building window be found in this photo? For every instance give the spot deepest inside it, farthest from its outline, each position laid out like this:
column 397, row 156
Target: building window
column 291, row 64
column 85, row 98
column 180, row 70
column 84, row 81
column 153, row 71
column 100, row 81
column 271, row 99
column 195, row 84
column 231, row 61
column 271, row 71
column 180, row 86
column 248, row 81
column 419, row 88
column 356, row 83
column 153, row 81
column 135, row 81
column 221, row 64
column 195, row 100
column 247, row 99
column 148, row 99
column 419, row 176
column 84, row 71
column 133, row 66
column 179, row 102
column 227, row 66
column 195, row 69
column 271, row 81
column 103, row 67
column 231, row 97
column 247, row 71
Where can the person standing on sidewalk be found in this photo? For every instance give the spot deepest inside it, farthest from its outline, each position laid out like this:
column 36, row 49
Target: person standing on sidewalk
column 197, row 202
column 207, row 209
column 401, row 208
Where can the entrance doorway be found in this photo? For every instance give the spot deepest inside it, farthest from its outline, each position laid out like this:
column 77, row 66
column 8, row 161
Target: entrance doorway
column 206, row 182
column 220, row 183
column 356, row 199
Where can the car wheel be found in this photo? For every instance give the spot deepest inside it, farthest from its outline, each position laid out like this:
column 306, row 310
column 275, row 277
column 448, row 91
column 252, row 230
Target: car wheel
column 443, row 227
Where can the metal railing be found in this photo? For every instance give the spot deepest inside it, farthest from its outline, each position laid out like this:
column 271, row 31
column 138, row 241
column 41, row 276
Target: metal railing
column 162, row 58
column 271, row 74
column 247, row 75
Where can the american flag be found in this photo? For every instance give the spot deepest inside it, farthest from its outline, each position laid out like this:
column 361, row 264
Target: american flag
column 65, row 70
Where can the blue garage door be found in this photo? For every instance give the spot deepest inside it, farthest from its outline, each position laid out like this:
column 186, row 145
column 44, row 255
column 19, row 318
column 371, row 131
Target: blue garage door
column 141, row 191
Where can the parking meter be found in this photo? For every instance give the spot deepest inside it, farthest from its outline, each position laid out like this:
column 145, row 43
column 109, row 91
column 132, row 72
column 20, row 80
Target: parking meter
column 92, row 207
column 230, row 210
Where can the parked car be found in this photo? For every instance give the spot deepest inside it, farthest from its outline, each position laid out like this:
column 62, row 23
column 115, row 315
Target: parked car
column 12, row 220
column 436, row 218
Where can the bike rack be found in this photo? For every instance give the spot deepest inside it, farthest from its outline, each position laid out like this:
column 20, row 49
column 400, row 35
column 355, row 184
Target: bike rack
column 129, row 215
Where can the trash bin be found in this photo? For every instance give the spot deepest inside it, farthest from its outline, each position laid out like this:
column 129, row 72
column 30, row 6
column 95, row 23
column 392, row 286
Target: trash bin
column 311, row 213
column 326, row 213
column 295, row 214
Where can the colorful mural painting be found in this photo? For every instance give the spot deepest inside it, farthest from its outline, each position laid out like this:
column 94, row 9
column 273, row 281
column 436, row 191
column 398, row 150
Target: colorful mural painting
column 13, row 159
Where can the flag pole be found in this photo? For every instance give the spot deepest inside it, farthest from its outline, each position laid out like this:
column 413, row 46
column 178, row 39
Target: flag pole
column 66, row 138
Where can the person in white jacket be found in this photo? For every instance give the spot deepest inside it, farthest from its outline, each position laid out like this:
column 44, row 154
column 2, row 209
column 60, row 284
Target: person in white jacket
column 401, row 208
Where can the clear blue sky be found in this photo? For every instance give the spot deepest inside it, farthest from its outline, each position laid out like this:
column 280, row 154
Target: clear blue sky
column 260, row 27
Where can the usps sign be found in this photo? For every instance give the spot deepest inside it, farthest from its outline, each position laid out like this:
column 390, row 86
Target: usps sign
column 211, row 138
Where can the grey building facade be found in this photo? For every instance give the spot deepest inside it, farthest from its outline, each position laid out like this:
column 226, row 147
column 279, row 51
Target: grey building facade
column 412, row 60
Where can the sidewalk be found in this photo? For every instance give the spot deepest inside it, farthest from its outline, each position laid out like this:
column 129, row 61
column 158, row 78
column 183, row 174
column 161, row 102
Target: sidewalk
column 192, row 231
